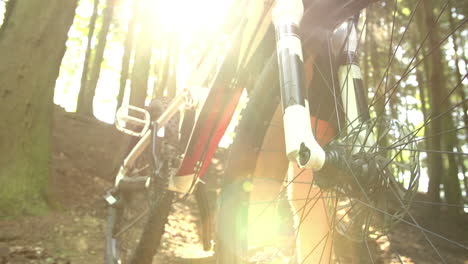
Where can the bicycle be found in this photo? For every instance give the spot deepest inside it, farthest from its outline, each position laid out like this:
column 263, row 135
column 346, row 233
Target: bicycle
column 364, row 176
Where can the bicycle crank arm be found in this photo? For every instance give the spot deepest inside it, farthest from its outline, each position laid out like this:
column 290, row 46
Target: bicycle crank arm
column 301, row 146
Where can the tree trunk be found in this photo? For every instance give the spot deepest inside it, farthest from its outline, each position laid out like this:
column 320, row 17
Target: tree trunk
column 157, row 66
column 84, row 74
column 141, row 66
column 164, row 71
column 435, row 125
column 85, row 100
column 451, row 183
column 441, row 120
column 461, row 92
column 172, row 82
column 463, row 170
column 380, row 94
column 32, row 46
column 127, row 53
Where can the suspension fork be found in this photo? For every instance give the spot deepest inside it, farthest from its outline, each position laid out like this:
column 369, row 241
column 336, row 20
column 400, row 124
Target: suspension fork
column 353, row 93
column 301, row 146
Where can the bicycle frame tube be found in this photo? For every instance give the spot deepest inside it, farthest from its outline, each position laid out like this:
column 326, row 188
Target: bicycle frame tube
column 301, row 146
column 145, row 140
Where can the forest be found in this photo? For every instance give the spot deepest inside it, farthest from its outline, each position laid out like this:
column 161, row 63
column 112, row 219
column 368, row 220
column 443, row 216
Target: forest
column 66, row 66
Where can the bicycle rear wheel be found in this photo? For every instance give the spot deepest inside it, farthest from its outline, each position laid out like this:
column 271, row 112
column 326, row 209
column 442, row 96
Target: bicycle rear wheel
column 409, row 152
column 136, row 221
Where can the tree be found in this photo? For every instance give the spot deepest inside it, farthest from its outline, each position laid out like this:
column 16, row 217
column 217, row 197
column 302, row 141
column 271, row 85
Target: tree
column 85, row 99
column 436, row 82
column 32, row 44
column 91, row 28
column 127, row 53
column 172, row 82
column 441, row 120
column 141, row 66
column 163, row 73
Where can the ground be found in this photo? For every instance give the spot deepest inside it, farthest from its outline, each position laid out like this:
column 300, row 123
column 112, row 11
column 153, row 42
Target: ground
column 85, row 159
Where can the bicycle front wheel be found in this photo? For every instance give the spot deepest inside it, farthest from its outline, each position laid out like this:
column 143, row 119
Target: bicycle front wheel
column 402, row 170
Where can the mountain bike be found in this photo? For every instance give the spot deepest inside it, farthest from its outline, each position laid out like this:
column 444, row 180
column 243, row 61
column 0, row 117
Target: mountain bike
column 367, row 174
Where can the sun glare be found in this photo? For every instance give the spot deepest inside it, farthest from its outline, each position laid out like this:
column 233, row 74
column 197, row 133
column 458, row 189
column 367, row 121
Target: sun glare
column 189, row 24
column 2, row 12
column 192, row 17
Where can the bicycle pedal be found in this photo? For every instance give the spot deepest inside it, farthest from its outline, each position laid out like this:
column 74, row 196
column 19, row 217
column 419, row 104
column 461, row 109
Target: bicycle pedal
column 132, row 120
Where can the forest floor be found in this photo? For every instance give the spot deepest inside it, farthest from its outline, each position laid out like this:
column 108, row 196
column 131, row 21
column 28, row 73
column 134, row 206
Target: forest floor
column 85, row 158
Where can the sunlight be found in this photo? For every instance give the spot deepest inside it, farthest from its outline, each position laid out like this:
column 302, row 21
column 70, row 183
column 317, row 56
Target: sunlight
column 2, row 11
column 192, row 17
column 194, row 24
column 264, row 224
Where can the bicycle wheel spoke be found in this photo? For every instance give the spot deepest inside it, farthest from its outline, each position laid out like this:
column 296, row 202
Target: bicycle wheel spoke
column 393, row 89
column 383, row 149
column 430, row 118
column 369, row 251
column 397, row 143
column 331, row 88
column 424, row 233
column 323, row 248
column 313, row 250
column 335, row 96
column 318, row 197
column 409, row 69
column 303, row 209
column 413, row 12
column 327, row 234
column 440, row 204
column 301, row 219
column 391, row 42
column 427, row 121
column 417, row 226
column 132, row 223
column 370, row 213
column 398, row 254
column 270, row 203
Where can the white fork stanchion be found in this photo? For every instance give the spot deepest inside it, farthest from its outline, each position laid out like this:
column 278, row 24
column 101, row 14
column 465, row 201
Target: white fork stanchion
column 301, row 146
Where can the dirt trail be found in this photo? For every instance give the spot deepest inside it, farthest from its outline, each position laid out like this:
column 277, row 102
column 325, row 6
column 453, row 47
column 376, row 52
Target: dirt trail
column 85, row 159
